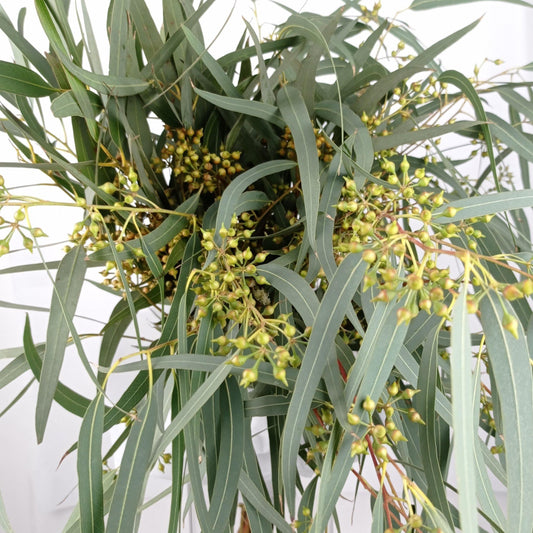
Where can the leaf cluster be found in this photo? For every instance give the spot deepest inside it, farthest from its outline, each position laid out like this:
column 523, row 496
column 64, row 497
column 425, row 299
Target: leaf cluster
column 314, row 256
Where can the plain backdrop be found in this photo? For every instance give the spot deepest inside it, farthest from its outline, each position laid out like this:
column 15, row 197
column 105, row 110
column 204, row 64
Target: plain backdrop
column 39, row 494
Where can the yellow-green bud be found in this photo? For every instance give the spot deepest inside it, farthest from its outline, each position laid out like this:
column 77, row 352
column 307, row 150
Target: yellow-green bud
column 369, row 405
column 108, row 187
column 249, row 376
column 38, row 232
column 353, row 419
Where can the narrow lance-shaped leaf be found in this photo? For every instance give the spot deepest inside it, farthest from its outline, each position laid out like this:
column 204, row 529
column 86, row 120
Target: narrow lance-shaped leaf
column 67, row 289
column 369, row 100
column 118, row 36
column 26, row 48
column 478, row 206
column 254, row 496
column 425, row 402
column 232, row 194
column 512, row 137
column 419, row 135
column 463, row 416
column 379, row 352
column 90, row 482
column 509, row 359
column 294, row 111
column 463, row 83
column 13, row 370
column 134, row 467
column 23, row 81
column 230, row 457
column 4, row 521
column 328, row 319
column 378, row 514
column 253, row 108
column 195, row 403
column 67, row 398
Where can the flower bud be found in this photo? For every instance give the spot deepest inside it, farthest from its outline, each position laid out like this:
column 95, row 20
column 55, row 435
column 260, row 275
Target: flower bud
column 369, row 405
column 369, row 256
column 249, row 376
column 353, row 419
column 510, row 323
column 358, row 447
column 108, row 187
column 280, row 374
column 4, row 247
column 512, row 292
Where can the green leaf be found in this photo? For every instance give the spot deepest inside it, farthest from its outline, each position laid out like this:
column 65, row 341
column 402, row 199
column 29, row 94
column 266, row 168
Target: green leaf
column 464, row 433
column 23, row 307
column 118, row 37
column 294, row 288
column 258, row 501
column 4, row 521
column 516, row 101
column 210, row 363
column 65, row 105
column 294, row 111
column 178, row 461
column 426, row 401
column 369, row 100
column 477, row 206
column 67, row 288
column 233, row 192
column 67, row 398
column 194, row 404
column 512, row 137
column 331, row 312
column 157, row 238
column 20, row 80
column 90, row 482
column 464, row 84
column 509, row 360
column 230, row 457
column 13, row 370
column 485, row 491
column 252, row 108
column 378, row 353
column 17, row 397
column 108, row 85
column 378, row 518
column 267, row 95
column 212, row 65
column 419, row 5
column 26, row 48
column 134, row 468
column 161, row 57
column 109, row 480
column 419, row 135
column 145, row 28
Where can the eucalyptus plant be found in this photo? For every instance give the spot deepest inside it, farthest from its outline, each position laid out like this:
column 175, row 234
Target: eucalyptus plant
column 314, row 256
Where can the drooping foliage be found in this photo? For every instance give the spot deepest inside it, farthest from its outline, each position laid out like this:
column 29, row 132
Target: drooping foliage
column 314, row 255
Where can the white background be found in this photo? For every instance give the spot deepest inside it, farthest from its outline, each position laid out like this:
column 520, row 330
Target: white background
column 31, row 483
